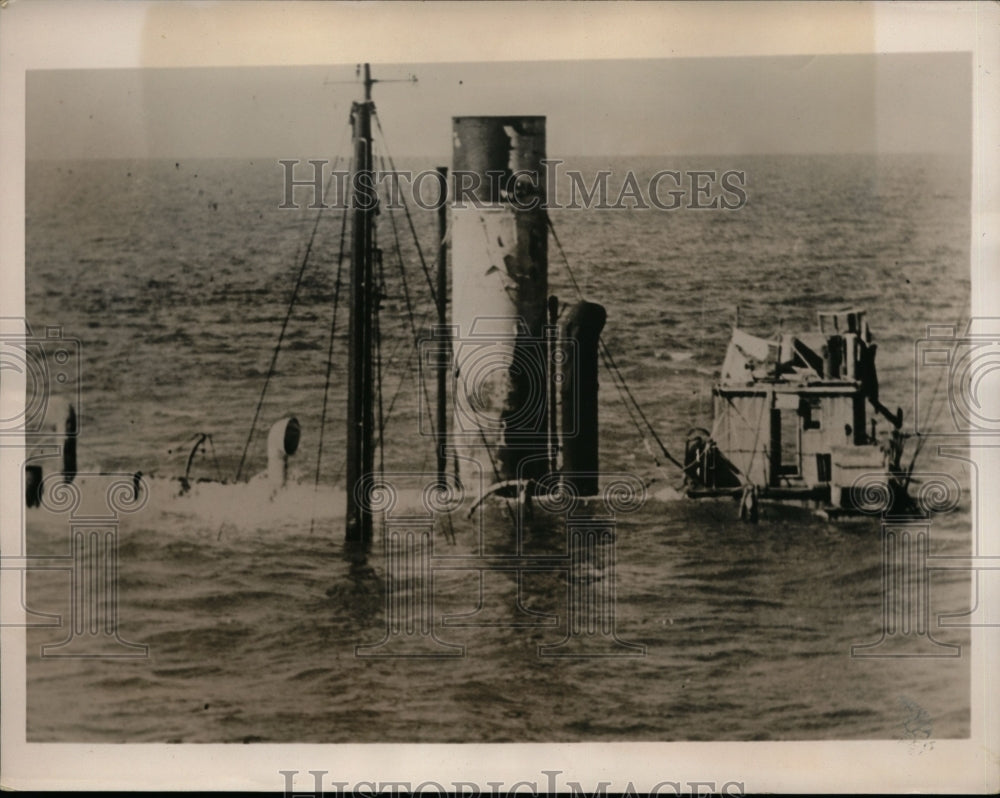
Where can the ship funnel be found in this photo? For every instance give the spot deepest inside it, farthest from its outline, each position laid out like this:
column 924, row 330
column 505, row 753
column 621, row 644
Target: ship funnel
column 499, row 239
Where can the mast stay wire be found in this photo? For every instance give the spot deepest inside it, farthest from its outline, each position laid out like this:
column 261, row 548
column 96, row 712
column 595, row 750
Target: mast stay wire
column 377, row 334
column 329, row 360
column 411, row 316
column 938, row 410
column 434, row 298
column 272, row 367
column 398, row 345
column 635, row 410
column 406, row 208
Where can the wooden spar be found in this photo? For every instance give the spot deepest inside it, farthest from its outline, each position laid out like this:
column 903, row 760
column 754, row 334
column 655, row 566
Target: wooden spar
column 360, row 377
column 442, row 310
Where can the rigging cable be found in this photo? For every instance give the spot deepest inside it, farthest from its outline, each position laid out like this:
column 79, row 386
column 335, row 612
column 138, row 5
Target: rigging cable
column 449, row 531
column 329, row 358
column 409, row 219
column 450, row 534
column 377, row 331
column 410, row 315
column 284, row 326
column 921, row 438
column 619, row 379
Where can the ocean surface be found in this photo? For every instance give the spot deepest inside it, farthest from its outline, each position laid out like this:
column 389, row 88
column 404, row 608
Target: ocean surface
column 176, row 278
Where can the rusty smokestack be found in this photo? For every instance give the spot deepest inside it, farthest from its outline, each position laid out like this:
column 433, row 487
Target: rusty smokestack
column 499, row 241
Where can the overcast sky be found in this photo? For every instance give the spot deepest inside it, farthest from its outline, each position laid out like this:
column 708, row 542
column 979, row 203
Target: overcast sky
column 788, row 104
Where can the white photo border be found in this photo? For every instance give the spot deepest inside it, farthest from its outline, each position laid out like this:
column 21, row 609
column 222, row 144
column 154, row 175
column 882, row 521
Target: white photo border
column 52, row 34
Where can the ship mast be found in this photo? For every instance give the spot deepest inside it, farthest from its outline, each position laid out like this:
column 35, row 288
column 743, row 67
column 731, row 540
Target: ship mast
column 360, row 381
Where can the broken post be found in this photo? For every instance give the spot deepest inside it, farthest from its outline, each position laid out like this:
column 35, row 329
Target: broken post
column 582, row 333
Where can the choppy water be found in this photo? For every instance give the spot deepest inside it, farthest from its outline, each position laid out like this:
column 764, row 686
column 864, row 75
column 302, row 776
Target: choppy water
column 176, row 277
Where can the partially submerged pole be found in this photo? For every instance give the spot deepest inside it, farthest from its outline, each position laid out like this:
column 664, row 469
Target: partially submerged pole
column 582, row 333
column 360, row 378
column 554, row 359
column 442, row 311
column 499, row 241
